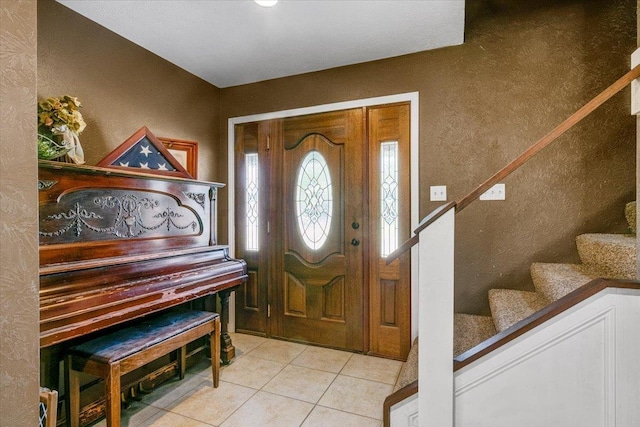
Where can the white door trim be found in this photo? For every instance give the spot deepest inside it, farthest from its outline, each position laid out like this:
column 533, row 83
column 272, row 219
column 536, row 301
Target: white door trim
column 412, row 98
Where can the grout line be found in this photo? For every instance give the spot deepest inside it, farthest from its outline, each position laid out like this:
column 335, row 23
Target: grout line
column 350, row 413
column 334, row 379
column 367, row 379
column 318, row 370
column 262, row 387
column 326, row 389
column 183, row 416
column 243, row 403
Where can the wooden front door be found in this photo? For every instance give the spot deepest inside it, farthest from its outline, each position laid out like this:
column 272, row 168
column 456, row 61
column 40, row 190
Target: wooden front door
column 320, row 260
column 308, row 239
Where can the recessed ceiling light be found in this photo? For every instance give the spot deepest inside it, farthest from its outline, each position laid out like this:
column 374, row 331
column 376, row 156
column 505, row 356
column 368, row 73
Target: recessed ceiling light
column 266, row 3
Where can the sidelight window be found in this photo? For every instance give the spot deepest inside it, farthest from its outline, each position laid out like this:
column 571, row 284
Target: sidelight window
column 389, row 197
column 251, row 197
column 313, row 200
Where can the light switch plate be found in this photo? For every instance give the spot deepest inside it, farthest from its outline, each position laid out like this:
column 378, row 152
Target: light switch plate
column 438, row 193
column 497, row 192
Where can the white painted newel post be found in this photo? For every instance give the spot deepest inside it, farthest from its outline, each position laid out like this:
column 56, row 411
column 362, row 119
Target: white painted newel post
column 435, row 374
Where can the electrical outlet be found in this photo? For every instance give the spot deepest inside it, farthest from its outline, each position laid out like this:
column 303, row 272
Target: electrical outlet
column 497, row 192
column 438, row 193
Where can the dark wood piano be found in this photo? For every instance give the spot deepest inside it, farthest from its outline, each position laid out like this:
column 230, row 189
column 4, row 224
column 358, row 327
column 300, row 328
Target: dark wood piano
column 117, row 245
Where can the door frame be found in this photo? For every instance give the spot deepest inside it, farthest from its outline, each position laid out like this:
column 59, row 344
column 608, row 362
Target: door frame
column 412, row 98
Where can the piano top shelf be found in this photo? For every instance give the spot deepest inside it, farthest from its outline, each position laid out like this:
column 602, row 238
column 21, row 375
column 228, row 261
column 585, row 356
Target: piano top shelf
column 107, row 172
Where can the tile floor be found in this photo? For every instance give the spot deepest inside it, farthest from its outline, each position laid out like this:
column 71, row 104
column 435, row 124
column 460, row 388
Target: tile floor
column 273, row 383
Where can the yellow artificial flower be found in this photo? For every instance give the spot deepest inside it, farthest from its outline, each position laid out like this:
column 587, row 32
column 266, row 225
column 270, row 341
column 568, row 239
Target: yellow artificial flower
column 54, row 113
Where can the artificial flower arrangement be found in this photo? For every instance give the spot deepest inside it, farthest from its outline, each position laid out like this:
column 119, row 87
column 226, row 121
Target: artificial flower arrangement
column 59, row 124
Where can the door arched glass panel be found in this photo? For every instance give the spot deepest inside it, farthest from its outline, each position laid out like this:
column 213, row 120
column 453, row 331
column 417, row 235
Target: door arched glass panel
column 314, row 201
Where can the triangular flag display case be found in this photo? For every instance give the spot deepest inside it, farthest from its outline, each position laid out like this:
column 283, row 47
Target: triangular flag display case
column 143, row 150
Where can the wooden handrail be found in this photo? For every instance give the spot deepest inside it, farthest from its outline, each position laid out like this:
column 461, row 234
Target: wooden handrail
column 557, row 307
column 426, row 221
column 574, row 119
column 543, row 142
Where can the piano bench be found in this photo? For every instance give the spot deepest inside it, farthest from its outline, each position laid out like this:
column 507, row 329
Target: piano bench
column 115, row 354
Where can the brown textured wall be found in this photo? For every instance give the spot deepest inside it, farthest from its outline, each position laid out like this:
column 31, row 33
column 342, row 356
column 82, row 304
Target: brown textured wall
column 519, row 73
column 524, row 67
column 19, row 372
column 123, row 87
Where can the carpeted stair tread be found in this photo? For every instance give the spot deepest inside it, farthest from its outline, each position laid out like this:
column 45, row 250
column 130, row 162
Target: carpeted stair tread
column 630, row 213
column 510, row 306
column 611, row 255
column 470, row 330
column 556, row 280
column 409, row 371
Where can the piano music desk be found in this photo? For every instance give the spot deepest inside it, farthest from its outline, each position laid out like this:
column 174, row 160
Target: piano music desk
column 113, row 355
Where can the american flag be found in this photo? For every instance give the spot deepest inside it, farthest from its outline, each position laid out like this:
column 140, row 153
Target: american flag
column 143, row 154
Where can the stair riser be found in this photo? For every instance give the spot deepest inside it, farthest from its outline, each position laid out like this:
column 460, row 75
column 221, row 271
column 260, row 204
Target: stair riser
column 509, row 306
column 556, row 280
column 612, row 261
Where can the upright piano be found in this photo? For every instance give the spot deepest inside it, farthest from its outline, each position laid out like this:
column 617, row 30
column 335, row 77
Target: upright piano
column 117, row 245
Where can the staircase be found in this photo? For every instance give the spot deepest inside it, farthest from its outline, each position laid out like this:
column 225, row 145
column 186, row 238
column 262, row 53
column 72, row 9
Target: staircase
column 602, row 255
column 573, row 340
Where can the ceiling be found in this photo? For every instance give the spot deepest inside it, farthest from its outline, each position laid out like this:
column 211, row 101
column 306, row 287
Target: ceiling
column 234, row 42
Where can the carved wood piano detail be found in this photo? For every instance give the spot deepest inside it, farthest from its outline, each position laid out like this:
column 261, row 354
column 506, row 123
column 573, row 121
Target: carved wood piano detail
column 116, row 245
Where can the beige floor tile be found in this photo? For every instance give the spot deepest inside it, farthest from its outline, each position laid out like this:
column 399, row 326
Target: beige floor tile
column 278, row 351
column 251, row 371
column 323, row 359
column 133, row 415
column 356, row 396
column 173, row 390
column 327, row 417
column 212, row 405
column 269, row 410
column 169, row 419
column 244, row 343
column 300, row 383
column 372, row 368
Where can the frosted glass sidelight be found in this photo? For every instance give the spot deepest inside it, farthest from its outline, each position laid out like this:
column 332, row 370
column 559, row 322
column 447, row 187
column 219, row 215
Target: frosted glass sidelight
column 388, row 197
column 314, row 201
column 251, row 197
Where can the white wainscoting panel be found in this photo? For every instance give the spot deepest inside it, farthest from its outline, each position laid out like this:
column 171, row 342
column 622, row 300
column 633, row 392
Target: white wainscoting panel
column 580, row 369
column 405, row 413
column 577, row 370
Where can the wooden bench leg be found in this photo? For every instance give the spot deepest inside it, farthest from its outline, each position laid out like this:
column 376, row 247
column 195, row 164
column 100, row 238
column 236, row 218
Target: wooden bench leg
column 215, row 353
column 182, row 360
column 112, row 395
column 72, row 391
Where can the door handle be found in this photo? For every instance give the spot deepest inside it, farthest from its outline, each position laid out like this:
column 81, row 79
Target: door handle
column 355, row 242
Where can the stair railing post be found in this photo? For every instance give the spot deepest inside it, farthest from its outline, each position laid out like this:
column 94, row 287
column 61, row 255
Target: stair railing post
column 435, row 328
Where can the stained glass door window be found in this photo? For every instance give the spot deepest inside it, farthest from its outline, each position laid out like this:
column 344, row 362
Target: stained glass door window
column 389, row 197
column 251, row 197
column 313, row 201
